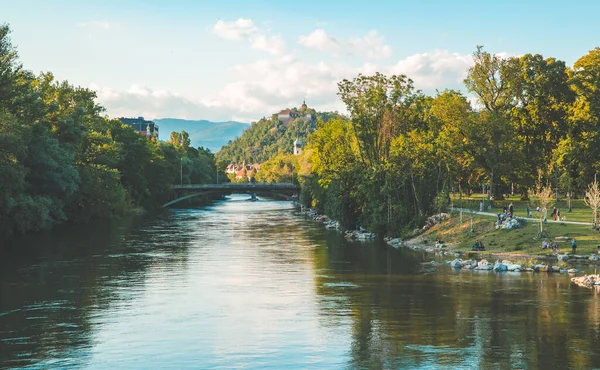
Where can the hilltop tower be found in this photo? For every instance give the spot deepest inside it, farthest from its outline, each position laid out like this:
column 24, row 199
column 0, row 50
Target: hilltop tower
column 297, row 147
column 303, row 107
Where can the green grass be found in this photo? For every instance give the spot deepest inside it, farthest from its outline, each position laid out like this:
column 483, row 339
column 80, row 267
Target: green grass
column 517, row 241
column 579, row 211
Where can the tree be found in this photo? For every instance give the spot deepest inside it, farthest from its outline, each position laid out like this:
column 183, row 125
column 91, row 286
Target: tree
column 451, row 115
column 493, row 140
column 489, row 79
column 376, row 105
column 180, row 140
column 545, row 197
column 592, row 200
column 579, row 156
column 542, row 92
column 278, row 169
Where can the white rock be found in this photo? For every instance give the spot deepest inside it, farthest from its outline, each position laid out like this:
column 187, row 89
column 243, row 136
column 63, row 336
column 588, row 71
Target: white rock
column 563, row 257
column 457, row 263
column 513, row 267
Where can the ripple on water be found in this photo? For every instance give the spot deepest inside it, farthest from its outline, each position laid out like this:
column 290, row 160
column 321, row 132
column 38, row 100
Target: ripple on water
column 341, row 285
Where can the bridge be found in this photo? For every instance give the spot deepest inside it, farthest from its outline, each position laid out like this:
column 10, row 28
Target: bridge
column 251, row 188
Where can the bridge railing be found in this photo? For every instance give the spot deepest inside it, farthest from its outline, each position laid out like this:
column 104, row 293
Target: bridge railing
column 238, row 186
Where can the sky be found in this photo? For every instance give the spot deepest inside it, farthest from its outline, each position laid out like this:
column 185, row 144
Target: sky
column 242, row 60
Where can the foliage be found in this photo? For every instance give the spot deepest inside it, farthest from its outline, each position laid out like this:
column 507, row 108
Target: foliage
column 278, row 169
column 62, row 161
column 269, row 137
column 392, row 163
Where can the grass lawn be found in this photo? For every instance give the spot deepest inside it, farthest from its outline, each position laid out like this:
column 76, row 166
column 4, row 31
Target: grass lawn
column 516, row 241
column 579, row 211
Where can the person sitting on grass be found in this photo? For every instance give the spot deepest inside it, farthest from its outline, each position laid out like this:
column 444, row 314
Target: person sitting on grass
column 478, row 246
column 439, row 243
column 544, row 245
column 555, row 247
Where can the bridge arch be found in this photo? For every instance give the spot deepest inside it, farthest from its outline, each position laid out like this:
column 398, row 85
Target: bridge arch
column 243, row 188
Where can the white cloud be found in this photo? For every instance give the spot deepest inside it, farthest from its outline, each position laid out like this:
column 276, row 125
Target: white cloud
column 99, row 25
column 319, row 40
column 265, row 86
column 241, row 29
column 270, row 44
column 245, row 29
column 371, row 45
column 437, row 69
column 143, row 101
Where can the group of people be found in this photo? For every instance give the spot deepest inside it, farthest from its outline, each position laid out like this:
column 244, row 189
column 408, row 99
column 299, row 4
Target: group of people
column 550, row 245
column 478, row 246
column 556, row 248
column 555, row 214
column 507, row 214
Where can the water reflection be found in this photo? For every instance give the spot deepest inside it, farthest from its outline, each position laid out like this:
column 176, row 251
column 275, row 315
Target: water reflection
column 254, row 284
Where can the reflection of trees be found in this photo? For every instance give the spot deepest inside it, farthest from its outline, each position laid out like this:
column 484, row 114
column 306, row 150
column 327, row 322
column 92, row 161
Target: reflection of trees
column 447, row 319
column 52, row 286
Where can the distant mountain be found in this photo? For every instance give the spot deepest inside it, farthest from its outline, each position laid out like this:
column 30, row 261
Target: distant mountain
column 211, row 135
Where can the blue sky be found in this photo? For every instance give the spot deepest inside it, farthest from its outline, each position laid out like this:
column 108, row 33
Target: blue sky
column 223, row 60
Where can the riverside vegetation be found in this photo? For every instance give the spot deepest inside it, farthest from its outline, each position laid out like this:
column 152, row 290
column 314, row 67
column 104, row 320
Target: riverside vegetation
column 387, row 166
column 62, row 161
column 398, row 156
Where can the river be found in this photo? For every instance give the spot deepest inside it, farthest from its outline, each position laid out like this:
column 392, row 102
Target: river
column 255, row 285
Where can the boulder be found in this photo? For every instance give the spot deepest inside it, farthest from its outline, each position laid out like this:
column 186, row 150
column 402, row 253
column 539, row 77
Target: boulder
column 499, row 267
column 457, row 264
column 593, row 257
column 572, row 271
column 555, row 269
column 540, row 268
column 563, row 257
column 513, row 267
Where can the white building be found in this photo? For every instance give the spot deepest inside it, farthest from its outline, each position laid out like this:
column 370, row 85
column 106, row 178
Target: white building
column 297, row 147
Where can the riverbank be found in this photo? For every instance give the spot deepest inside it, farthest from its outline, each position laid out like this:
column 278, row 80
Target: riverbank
column 331, row 224
column 460, row 232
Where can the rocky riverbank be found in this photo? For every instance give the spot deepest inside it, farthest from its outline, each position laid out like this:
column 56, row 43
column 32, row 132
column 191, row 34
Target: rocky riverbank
column 331, row 224
column 506, row 265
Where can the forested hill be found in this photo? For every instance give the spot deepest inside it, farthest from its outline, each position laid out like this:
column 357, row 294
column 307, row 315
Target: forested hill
column 268, row 137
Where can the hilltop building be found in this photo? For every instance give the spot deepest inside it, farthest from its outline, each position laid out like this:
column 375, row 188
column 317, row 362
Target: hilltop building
column 297, row 147
column 288, row 115
column 145, row 128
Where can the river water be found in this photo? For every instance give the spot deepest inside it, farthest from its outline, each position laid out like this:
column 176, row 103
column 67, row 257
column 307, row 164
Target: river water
column 255, row 285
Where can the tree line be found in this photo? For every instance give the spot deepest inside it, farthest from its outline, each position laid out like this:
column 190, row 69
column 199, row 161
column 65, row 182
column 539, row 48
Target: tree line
column 62, row 160
column 396, row 158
